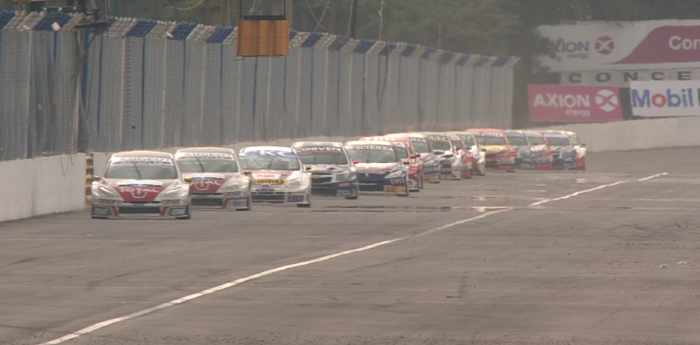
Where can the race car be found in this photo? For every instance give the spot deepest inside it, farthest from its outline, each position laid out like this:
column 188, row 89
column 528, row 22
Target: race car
column 542, row 154
column 143, row 183
column 379, row 167
column 564, row 154
column 531, row 151
column 465, row 154
column 499, row 155
column 580, row 150
column 277, row 175
column 332, row 171
column 431, row 164
column 450, row 159
column 478, row 153
column 215, row 177
column 409, row 157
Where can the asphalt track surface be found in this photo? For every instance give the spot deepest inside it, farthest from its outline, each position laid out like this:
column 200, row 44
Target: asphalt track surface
column 534, row 257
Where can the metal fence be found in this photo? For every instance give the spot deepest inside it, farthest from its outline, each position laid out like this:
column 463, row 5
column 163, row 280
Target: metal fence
column 144, row 84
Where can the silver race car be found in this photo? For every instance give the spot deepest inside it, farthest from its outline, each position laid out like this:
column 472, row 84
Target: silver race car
column 141, row 183
column 277, row 175
column 215, row 177
column 379, row 167
column 332, row 171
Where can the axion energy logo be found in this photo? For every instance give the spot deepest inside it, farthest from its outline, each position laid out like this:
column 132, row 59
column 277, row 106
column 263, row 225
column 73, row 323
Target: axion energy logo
column 556, row 103
column 665, row 98
column 604, row 45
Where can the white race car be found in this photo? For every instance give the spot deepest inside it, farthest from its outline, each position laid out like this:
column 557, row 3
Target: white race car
column 277, row 175
column 479, row 160
column 451, row 163
column 379, row 168
column 143, row 183
column 215, row 177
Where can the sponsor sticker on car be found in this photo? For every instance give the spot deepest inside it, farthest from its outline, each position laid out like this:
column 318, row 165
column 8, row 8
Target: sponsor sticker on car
column 269, row 181
column 396, row 189
column 296, row 197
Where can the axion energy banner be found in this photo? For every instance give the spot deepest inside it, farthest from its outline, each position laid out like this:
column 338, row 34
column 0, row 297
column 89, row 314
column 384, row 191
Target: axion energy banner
column 557, row 103
column 605, row 46
column 665, row 98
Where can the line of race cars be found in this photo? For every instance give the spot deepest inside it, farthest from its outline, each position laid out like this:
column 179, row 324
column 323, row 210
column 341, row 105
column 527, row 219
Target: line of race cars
column 167, row 185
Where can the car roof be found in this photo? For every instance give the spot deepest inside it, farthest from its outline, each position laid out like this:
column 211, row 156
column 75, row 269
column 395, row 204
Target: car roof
column 514, row 131
column 157, row 154
column 526, row 132
column 205, row 150
column 267, row 148
column 317, row 144
column 409, row 134
column 493, row 130
column 375, row 143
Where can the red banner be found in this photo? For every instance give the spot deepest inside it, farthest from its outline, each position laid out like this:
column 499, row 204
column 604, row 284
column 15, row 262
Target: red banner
column 556, row 103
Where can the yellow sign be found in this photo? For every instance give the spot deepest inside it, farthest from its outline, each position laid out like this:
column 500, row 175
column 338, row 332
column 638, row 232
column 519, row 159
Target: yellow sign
column 269, row 181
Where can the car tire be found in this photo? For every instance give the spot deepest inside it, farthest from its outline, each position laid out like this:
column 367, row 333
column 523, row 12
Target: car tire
column 408, row 192
column 188, row 215
column 307, row 204
column 249, row 201
column 354, row 197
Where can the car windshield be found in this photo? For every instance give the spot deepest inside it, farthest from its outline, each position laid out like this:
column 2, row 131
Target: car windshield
column 322, row 157
column 440, row 143
column 420, row 145
column 269, row 163
column 517, row 140
column 401, row 150
column 468, row 140
column 142, row 168
column 207, row 164
column 535, row 140
column 372, row 154
column 558, row 141
column 456, row 143
column 491, row 140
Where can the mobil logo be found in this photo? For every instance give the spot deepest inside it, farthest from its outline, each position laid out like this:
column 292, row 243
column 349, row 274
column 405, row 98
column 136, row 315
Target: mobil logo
column 604, row 45
column 669, row 98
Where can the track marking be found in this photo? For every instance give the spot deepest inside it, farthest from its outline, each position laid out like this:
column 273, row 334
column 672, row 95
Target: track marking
column 594, row 189
column 233, row 283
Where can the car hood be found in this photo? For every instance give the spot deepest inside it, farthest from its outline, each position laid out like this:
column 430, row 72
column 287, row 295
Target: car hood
column 274, row 176
column 375, row 168
column 209, row 182
column 139, row 190
column 327, row 168
column 494, row 148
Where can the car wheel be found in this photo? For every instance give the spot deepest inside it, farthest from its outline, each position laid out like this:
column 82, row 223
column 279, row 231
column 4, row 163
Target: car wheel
column 188, row 214
column 307, row 204
column 405, row 185
column 355, row 196
column 249, row 203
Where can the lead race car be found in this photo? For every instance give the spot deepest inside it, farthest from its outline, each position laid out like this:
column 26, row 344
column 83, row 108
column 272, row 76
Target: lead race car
column 332, row 171
column 277, row 175
column 499, row 155
column 215, row 177
column 379, row 167
column 142, row 183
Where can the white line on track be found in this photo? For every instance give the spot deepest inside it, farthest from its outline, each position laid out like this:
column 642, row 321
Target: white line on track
column 225, row 286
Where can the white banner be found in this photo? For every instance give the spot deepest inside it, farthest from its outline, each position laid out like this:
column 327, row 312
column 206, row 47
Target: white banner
column 624, row 78
column 601, row 46
column 665, row 98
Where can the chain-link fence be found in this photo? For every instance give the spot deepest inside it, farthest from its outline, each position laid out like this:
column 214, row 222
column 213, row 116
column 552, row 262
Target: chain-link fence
column 146, row 85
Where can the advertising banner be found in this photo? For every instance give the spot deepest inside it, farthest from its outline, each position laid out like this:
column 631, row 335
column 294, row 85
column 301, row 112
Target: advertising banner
column 604, row 46
column 665, row 98
column 556, row 103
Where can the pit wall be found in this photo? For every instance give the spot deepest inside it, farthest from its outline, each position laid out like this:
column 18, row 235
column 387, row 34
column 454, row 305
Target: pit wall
column 34, row 187
column 637, row 134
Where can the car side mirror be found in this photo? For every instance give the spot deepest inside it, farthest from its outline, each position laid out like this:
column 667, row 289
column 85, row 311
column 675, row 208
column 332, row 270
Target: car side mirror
column 307, row 168
column 96, row 178
column 415, row 156
column 438, row 152
column 188, row 179
column 355, row 162
column 247, row 173
column 406, row 161
column 583, row 145
column 483, row 150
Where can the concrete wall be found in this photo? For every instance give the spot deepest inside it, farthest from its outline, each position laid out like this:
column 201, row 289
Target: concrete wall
column 637, row 134
column 33, row 187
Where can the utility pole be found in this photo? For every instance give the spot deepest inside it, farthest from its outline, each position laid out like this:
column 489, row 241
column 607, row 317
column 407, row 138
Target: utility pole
column 334, row 16
column 353, row 19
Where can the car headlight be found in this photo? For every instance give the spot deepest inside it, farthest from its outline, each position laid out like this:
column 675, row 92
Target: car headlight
column 294, row 183
column 174, row 191
column 104, row 191
column 232, row 184
column 342, row 176
column 395, row 174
